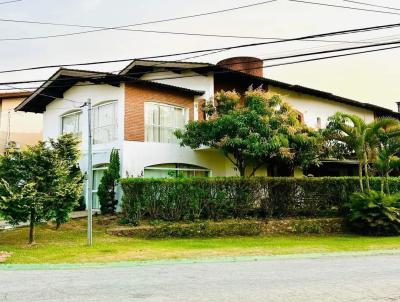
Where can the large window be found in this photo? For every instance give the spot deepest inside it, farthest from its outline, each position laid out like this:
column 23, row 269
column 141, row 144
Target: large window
column 105, row 123
column 161, row 121
column 175, row 170
column 72, row 123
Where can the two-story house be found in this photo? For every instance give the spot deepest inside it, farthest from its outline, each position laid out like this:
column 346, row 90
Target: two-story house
column 137, row 111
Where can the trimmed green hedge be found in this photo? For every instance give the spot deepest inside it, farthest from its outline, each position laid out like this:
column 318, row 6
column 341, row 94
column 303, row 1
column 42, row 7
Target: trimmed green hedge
column 234, row 197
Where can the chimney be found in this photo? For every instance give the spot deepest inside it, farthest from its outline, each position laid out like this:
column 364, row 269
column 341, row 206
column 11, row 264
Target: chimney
column 398, row 106
column 250, row 65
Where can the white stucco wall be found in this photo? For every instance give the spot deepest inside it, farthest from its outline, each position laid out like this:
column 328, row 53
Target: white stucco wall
column 138, row 155
column 313, row 107
column 98, row 94
column 190, row 80
column 24, row 128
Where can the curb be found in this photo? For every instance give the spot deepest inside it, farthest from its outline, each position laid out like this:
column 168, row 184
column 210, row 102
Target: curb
column 132, row 264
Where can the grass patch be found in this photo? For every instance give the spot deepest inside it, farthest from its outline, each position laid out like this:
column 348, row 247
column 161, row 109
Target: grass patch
column 68, row 245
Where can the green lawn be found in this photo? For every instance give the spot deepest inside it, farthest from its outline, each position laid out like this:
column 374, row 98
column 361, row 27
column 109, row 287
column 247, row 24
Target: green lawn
column 68, row 245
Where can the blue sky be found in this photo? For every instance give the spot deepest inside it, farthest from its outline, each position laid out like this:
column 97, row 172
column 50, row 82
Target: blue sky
column 370, row 78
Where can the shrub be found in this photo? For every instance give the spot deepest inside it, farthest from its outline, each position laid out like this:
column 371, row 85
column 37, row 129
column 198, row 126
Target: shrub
column 108, row 185
column 374, row 213
column 234, row 197
column 206, row 229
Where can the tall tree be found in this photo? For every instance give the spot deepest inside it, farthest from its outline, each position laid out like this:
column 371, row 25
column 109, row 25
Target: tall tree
column 108, row 185
column 35, row 185
column 387, row 159
column 359, row 136
column 67, row 151
column 253, row 130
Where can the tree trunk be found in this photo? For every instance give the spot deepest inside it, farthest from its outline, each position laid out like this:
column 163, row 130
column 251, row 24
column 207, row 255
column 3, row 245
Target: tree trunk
column 242, row 171
column 382, row 184
column 255, row 169
column 387, row 183
column 366, row 171
column 58, row 225
column 32, row 228
column 360, row 176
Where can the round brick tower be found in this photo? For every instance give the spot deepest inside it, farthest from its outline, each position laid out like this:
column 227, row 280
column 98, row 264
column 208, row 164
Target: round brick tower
column 249, row 65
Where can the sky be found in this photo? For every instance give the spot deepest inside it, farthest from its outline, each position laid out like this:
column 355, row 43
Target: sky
column 372, row 78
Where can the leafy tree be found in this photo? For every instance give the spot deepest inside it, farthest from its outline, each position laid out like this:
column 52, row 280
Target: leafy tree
column 108, row 184
column 387, row 159
column 253, row 130
column 70, row 194
column 359, row 136
column 36, row 184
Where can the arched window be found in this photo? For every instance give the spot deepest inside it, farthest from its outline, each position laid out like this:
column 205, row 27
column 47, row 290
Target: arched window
column 71, row 122
column 105, row 122
column 175, row 170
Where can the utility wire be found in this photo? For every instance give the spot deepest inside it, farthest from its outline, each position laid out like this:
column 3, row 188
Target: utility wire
column 343, row 32
column 331, row 57
column 373, row 5
column 180, row 34
column 223, row 65
column 7, row 2
column 264, row 66
column 123, row 27
column 245, row 69
column 347, row 7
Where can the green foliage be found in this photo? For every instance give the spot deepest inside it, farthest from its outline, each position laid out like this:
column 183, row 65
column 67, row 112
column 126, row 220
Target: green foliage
column 259, row 130
column 40, row 183
column 374, row 213
column 69, row 194
column 108, row 184
column 205, row 229
column 387, row 159
column 234, row 197
column 361, row 138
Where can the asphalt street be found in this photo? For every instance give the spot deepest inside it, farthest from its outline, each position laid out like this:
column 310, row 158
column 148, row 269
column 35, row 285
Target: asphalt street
column 340, row 278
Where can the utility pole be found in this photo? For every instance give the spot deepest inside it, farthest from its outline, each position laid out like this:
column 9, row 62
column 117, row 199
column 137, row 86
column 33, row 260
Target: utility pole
column 89, row 175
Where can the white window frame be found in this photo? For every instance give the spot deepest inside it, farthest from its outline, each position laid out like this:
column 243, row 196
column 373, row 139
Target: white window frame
column 180, row 169
column 76, row 113
column 95, row 190
column 159, row 127
column 95, row 127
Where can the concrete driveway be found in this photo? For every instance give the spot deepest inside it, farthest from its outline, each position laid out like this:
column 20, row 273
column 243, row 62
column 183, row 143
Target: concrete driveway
column 343, row 278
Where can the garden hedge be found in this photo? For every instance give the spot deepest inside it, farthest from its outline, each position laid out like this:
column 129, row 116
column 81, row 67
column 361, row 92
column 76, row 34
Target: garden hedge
column 190, row 199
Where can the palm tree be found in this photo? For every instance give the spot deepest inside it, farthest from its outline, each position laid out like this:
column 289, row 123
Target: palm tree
column 359, row 136
column 387, row 160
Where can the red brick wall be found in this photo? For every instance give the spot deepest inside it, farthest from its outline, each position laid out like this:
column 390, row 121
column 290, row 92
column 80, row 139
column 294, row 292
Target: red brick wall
column 135, row 97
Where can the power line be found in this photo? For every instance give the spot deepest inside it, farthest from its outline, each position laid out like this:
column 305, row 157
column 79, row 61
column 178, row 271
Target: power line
column 343, row 32
column 241, row 70
column 47, row 95
column 347, row 7
column 224, row 65
column 179, row 34
column 7, row 2
column 123, row 27
column 373, row 5
column 264, row 66
column 331, row 57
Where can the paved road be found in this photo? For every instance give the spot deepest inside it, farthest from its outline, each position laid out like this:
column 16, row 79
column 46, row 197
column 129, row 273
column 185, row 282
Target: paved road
column 345, row 278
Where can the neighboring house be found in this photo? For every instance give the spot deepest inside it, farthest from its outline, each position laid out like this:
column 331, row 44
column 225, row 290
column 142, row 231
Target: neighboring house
column 137, row 111
column 17, row 129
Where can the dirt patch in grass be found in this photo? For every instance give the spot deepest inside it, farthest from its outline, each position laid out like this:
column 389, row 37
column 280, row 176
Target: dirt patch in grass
column 4, row 256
